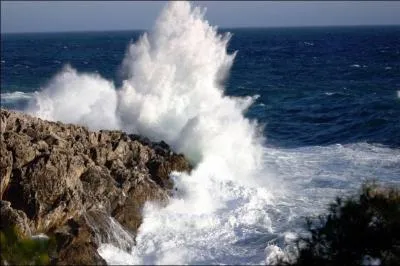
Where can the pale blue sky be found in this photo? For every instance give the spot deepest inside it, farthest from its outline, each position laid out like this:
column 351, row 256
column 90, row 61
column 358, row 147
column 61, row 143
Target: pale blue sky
column 100, row 15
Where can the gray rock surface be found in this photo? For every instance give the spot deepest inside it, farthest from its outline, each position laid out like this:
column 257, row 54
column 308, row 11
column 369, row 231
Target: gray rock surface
column 56, row 176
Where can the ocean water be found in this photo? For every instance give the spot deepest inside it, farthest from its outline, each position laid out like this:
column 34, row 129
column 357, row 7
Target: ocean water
column 277, row 121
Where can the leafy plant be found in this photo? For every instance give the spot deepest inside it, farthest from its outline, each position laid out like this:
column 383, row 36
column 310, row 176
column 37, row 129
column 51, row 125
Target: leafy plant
column 359, row 230
column 24, row 251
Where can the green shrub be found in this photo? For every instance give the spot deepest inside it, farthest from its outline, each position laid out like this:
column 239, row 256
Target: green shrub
column 367, row 225
column 24, row 251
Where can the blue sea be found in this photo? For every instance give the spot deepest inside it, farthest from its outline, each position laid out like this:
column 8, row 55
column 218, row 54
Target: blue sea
column 314, row 110
column 317, row 86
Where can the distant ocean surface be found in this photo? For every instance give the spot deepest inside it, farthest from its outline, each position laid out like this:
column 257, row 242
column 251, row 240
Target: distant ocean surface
column 327, row 98
column 316, row 86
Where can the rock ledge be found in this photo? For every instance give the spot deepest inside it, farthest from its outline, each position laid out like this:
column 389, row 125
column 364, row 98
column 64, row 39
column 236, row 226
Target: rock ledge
column 66, row 181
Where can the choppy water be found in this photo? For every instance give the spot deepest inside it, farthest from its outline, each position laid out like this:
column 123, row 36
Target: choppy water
column 321, row 115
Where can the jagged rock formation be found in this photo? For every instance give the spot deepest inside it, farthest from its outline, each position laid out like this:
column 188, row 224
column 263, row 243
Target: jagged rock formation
column 66, row 181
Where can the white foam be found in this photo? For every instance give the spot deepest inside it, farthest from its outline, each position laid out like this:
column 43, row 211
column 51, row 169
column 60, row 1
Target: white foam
column 204, row 224
column 173, row 82
column 213, row 221
column 115, row 256
column 16, row 96
column 71, row 97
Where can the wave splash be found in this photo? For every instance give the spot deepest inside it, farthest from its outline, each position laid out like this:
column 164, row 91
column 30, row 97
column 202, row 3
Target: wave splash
column 72, row 97
column 172, row 90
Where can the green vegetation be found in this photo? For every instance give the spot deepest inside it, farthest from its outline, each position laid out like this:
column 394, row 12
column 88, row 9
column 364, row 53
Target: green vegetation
column 24, row 251
column 356, row 228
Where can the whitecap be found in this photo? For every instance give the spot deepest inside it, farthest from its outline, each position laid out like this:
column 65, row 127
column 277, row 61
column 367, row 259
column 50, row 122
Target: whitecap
column 9, row 97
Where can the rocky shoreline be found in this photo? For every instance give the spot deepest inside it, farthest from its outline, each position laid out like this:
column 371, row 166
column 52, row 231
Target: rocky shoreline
column 76, row 185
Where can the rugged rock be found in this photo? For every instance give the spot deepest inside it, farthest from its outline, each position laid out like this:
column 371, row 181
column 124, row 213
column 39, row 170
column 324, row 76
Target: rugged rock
column 14, row 218
column 56, row 178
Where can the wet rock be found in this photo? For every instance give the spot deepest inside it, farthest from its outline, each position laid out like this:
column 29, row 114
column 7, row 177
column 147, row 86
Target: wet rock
column 53, row 175
column 129, row 214
column 6, row 164
column 160, row 169
column 14, row 218
column 76, row 244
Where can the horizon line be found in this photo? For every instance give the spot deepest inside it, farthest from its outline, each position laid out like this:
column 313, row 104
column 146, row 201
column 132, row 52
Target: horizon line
column 218, row 28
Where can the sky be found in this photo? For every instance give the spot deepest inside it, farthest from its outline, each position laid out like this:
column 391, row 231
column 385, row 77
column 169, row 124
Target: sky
column 59, row 16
